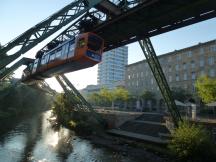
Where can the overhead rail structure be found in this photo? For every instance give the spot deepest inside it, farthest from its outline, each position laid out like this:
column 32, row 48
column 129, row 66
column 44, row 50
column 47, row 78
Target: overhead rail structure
column 118, row 22
column 44, row 29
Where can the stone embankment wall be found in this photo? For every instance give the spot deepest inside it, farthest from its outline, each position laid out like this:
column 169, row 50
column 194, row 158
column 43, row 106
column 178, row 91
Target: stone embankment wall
column 117, row 118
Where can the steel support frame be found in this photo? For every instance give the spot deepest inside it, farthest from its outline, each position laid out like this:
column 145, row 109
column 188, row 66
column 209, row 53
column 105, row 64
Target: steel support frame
column 8, row 71
column 160, row 78
column 44, row 29
column 72, row 93
column 74, row 96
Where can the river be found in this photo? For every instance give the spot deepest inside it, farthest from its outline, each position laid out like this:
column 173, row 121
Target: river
column 34, row 140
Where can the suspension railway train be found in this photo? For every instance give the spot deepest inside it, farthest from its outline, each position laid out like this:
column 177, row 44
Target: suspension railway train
column 82, row 52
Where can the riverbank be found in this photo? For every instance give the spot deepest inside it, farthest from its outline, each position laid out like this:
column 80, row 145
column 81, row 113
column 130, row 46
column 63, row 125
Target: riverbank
column 131, row 148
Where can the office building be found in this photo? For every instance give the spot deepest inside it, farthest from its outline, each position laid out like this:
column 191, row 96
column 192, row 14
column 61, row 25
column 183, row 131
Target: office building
column 112, row 67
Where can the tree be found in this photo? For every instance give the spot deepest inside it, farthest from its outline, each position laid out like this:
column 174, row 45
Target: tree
column 181, row 94
column 192, row 143
column 148, row 95
column 206, row 88
column 94, row 99
column 120, row 94
column 106, row 96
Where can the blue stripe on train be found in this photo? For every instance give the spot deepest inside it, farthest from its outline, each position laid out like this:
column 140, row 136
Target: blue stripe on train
column 94, row 56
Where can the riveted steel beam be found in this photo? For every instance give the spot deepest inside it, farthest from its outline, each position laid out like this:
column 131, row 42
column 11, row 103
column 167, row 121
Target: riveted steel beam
column 160, row 78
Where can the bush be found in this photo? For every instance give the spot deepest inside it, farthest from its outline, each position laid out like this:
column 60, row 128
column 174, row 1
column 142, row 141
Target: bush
column 192, row 143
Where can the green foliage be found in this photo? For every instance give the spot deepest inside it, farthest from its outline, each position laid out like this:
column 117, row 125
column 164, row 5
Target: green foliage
column 105, row 97
column 120, row 94
column 181, row 94
column 69, row 114
column 148, row 95
column 192, row 143
column 206, row 88
column 20, row 99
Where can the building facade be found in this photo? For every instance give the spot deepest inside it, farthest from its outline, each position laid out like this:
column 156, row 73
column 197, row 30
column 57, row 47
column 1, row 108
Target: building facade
column 181, row 68
column 112, row 67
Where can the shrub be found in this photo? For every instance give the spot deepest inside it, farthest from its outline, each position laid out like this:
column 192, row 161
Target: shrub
column 192, row 143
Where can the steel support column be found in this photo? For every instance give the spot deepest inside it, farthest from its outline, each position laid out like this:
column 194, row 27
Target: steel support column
column 75, row 97
column 160, row 78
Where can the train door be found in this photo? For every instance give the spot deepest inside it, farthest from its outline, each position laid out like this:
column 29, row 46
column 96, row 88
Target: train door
column 36, row 62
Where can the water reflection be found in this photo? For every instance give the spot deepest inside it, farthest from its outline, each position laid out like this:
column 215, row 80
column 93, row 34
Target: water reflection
column 34, row 140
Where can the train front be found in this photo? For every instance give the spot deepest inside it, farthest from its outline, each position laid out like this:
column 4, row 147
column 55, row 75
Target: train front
column 95, row 45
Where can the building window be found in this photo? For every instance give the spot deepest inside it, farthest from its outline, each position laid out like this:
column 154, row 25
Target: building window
column 152, row 81
column 129, row 77
column 211, row 60
column 185, row 76
column 201, row 52
column 184, row 66
column 137, row 75
column 193, row 75
column 212, row 73
column 202, row 72
column 141, row 74
column 170, row 68
column 177, row 77
column 178, row 57
column 137, row 83
column 169, row 59
column 189, row 54
column 192, row 64
column 193, row 87
column 177, row 67
column 170, row 78
column 213, row 48
column 202, row 62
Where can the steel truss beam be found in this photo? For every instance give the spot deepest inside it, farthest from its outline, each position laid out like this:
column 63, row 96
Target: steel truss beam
column 72, row 93
column 77, row 99
column 160, row 78
column 8, row 71
column 44, row 29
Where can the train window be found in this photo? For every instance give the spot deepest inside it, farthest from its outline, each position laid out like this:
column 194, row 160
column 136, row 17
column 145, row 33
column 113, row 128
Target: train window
column 66, row 49
column 58, row 53
column 46, row 58
column 94, row 43
column 43, row 60
column 71, row 50
column 35, row 66
column 71, row 47
column 52, row 56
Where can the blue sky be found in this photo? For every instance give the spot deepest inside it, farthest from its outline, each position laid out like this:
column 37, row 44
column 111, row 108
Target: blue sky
column 17, row 16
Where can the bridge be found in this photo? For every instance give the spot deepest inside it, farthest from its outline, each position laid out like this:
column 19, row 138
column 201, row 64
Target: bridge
column 118, row 22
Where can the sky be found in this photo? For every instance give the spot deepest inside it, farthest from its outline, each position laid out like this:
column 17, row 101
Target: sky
column 17, row 16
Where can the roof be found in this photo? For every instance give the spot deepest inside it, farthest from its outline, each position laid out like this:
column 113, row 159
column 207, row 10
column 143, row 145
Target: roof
column 176, row 51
